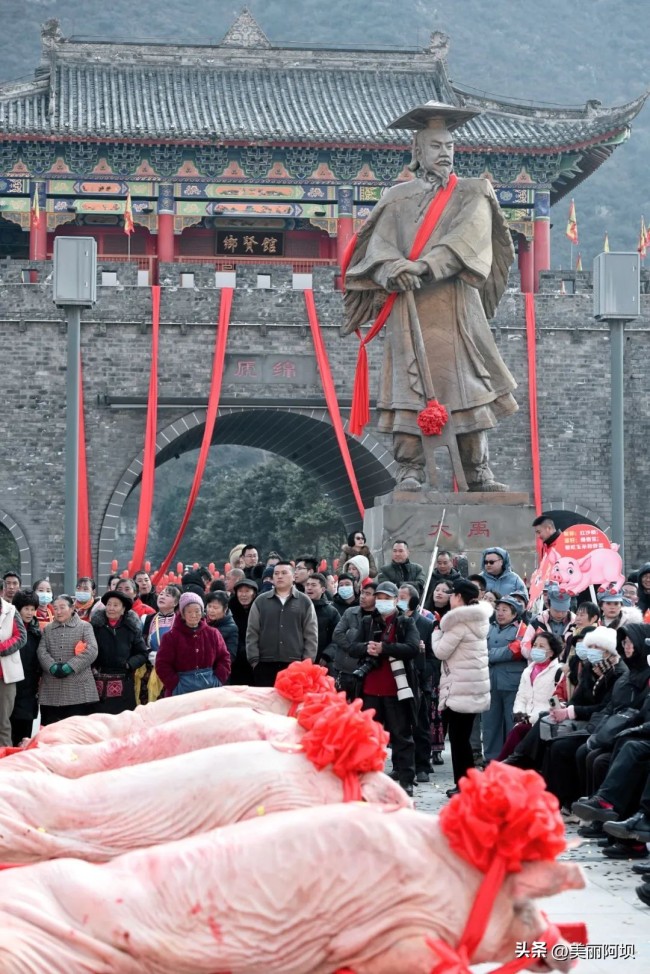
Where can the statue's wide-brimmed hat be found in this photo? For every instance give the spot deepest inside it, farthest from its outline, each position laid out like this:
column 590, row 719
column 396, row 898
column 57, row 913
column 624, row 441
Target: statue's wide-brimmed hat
column 418, row 118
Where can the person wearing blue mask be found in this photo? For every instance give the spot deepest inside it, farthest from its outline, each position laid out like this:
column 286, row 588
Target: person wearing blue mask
column 345, row 596
column 539, row 682
column 43, row 592
column 386, row 645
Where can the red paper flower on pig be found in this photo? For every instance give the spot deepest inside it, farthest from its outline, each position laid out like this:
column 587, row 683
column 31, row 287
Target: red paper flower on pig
column 347, row 738
column 313, row 706
column 503, row 812
column 301, row 678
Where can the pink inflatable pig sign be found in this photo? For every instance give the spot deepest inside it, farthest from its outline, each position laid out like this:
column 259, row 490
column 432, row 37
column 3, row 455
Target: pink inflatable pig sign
column 583, row 556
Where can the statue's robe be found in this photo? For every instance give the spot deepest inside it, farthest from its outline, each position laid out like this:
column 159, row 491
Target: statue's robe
column 469, row 255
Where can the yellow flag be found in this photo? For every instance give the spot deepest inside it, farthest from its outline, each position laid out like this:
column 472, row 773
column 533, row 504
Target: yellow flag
column 572, row 224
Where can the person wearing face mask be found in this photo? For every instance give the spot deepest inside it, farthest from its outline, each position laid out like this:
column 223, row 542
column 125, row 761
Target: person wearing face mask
column 427, row 669
column 587, row 618
column 345, row 596
column 506, row 668
column 43, row 592
column 557, row 619
column 344, row 635
column 538, row 683
column 85, row 599
column 386, row 645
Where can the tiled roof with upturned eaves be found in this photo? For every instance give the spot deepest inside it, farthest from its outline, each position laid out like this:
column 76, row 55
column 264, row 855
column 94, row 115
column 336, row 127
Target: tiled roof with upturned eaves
column 280, row 95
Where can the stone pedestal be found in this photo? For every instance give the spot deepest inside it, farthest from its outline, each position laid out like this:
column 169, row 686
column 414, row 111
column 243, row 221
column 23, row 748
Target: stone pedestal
column 472, row 522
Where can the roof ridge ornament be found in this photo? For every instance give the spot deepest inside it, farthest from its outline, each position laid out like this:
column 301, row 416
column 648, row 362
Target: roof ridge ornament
column 245, row 32
column 51, row 32
column 439, row 45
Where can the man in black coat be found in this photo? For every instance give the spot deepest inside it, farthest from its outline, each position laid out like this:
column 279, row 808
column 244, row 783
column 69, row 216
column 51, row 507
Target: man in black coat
column 326, row 616
column 426, row 665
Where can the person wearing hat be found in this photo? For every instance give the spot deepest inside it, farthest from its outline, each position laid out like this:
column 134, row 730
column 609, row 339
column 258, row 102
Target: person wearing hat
column 244, row 593
column 498, row 575
column 192, row 655
column 385, row 645
column 615, row 613
column 506, row 667
column 557, row 619
column 438, row 327
column 121, row 650
column 461, row 644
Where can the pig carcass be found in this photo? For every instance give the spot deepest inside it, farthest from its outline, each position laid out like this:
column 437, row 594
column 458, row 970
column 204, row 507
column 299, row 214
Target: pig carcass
column 574, row 575
column 100, row 816
column 103, row 727
column 207, row 728
column 344, row 886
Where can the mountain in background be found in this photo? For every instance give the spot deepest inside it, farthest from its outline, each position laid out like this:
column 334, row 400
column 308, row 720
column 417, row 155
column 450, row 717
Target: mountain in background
column 549, row 52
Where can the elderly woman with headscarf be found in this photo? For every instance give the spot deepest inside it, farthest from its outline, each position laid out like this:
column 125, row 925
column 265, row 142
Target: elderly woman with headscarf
column 192, row 655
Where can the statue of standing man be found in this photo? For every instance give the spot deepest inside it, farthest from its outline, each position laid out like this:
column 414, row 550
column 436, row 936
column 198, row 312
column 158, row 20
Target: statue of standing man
column 440, row 245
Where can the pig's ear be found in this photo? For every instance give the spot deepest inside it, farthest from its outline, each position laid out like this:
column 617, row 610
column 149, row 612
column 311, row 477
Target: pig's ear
column 538, row 879
column 585, row 563
column 553, row 557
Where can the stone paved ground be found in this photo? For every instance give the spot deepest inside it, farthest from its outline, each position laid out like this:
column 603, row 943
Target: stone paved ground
column 608, row 905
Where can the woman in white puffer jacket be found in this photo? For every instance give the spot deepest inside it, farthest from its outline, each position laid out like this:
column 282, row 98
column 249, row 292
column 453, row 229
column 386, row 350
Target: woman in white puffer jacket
column 461, row 644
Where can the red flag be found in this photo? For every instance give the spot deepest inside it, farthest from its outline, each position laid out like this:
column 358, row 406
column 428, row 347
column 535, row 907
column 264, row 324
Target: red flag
column 572, row 225
column 36, row 209
column 643, row 240
column 128, row 216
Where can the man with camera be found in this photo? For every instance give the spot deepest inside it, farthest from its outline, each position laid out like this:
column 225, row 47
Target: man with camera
column 386, row 644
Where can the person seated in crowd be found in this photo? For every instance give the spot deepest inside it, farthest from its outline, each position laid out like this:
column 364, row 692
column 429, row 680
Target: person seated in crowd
column 343, row 635
column 427, row 670
column 401, row 569
column 497, row 574
column 538, row 683
column 613, row 611
column 244, row 593
column 386, row 645
column 146, row 592
column 121, row 650
column 305, row 566
column 557, row 619
column 219, row 616
column 43, row 591
column 66, row 652
column 357, row 545
column 128, row 587
column 327, row 617
column 587, row 617
column 25, row 710
column 85, row 597
column 346, row 596
column 506, row 667
column 192, row 655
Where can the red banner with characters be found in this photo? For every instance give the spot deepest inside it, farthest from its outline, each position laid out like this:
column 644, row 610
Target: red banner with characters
column 582, row 556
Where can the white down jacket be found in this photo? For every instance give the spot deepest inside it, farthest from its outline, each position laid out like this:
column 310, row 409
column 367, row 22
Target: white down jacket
column 461, row 644
column 533, row 698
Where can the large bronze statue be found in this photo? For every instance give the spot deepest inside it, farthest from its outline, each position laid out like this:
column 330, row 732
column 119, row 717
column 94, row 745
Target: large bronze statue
column 437, row 331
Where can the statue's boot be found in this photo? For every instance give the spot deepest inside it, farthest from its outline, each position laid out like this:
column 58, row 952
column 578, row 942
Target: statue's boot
column 474, row 455
column 409, row 456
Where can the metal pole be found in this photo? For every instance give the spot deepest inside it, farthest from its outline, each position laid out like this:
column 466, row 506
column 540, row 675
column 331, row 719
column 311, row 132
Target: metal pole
column 617, row 436
column 73, row 315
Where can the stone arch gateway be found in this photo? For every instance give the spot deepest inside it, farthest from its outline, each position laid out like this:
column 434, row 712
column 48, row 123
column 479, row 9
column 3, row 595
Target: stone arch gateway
column 302, row 435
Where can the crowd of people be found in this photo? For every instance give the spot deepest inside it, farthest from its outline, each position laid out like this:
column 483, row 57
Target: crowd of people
column 561, row 687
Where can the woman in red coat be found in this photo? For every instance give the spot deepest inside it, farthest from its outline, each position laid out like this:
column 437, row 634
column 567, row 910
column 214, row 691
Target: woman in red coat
column 192, row 655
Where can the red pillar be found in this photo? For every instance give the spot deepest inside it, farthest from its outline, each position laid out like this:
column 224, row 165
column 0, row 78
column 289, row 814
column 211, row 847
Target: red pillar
column 526, row 264
column 165, row 223
column 38, row 225
column 542, row 237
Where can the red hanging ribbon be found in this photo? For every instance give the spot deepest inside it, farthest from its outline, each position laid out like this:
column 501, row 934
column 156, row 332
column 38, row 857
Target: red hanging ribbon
column 532, row 400
column 210, row 420
column 84, row 550
column 360, row 412
column 149, row 458
column 330, row 396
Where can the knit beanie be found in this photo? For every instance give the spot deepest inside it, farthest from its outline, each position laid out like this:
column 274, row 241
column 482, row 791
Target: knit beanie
column 189, row 598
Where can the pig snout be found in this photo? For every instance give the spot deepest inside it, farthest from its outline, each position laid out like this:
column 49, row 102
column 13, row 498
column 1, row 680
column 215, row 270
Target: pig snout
column 379, row 789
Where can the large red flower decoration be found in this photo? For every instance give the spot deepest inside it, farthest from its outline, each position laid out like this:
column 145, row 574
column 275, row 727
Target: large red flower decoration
column 347, row 738
column 503, row 811
column 301, row 678
column 313, row 706
column 432, row 418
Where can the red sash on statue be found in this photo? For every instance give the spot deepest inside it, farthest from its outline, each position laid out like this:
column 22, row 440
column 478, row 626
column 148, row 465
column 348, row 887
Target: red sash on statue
column 360, row 412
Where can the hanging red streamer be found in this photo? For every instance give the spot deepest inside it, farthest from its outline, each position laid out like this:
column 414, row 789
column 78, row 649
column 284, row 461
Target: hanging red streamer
column 210, row 420
column 532, row 400
column 149, row 458
column 360, row 412
column 84, row 550
column 331, row 398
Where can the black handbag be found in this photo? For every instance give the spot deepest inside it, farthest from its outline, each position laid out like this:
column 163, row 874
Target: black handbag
column 603, row 737
column 351, row 685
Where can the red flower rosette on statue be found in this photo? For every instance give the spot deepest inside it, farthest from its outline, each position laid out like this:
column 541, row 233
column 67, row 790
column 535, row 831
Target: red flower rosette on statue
column 432, row 418
column 502, row 818
column 346, row 738
column 301, row 678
